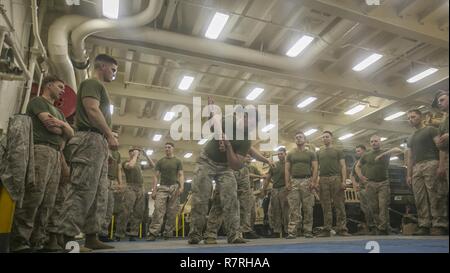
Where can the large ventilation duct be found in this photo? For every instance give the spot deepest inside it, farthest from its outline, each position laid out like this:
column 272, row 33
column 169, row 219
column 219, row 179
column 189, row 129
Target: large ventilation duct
column 232, row 52
column 81, row 27
column 80, row 58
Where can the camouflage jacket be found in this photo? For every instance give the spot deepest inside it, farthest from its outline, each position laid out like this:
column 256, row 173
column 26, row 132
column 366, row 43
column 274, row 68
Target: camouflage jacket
column 17, row 157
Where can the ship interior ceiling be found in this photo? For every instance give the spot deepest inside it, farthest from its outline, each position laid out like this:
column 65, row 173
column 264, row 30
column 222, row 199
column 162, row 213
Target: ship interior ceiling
column 160, row 43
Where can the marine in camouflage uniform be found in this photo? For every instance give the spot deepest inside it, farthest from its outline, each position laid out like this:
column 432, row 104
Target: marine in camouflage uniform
column 278, row 209
column 426, row 174
column 332, row 172
column 133, row 211
column 360, row 188
column 49, row 131
column 169, row 170
column 85, row 205
column 375, row 164
column 300, row 176
column 115, row 179
column 215, row 163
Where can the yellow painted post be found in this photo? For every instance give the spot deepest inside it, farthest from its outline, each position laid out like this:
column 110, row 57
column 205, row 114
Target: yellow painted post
column 182, row 223
column 176, row 225
column 7, row 207
column 112, row 228
column 140, row 230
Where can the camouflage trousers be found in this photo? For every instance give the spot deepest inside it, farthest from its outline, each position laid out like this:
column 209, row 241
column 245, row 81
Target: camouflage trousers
column 331, row 192
column 30, row 220
column 133, row 211
column 109, row 211
column 53, row 224
column 379, row 198
column 85, row 205
column 205, row 172
column 364, row 205
column 244, row 195
column 430, row 194
column 279, row 210
column 166, row 204
column 300, row 199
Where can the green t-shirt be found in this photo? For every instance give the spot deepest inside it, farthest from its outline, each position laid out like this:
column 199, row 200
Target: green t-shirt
column 40, row 134
column 375, row 170
column 133, row 175
column 240, row 147
column 301, row 163
column 422, row 144
column 277, row 174
column 94, row 89
column 329, row 161
column 113, row 164
column 169, row 167
column 443, row 129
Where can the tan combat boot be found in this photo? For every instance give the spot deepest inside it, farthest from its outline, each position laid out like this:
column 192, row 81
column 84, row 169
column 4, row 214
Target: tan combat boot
column 94, row 243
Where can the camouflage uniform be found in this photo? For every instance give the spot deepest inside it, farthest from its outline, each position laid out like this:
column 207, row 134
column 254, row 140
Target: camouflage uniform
column 31, row 219
column 430, row 194
column 206, row 171
column 331, row 191
column 85, row 205
column 379, row 198
column 430, row 191
column 244, row 197
column 133, row 211
column 279, row 210
column 300, row 199
column 166, row 204
column 55, row 217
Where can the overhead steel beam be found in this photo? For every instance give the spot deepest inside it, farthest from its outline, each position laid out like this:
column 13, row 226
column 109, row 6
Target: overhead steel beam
column 381, row 19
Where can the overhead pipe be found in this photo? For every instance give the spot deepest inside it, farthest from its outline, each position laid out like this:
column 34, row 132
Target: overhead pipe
column 58, row 47
column 80, row 58
column 37, row 37
column 232, row 52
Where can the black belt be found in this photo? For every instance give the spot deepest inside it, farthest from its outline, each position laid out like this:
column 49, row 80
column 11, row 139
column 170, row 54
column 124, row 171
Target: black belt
column 303, row 177
column 94, row 130
column 54, row 146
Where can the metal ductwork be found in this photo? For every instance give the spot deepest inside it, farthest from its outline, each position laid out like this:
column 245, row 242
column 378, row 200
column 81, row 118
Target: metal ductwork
column 81, row 27
column 80, row 59
column 231, row 52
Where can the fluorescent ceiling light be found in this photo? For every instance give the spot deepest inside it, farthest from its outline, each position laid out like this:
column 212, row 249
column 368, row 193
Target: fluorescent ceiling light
column 111, row 109
column 189, row 181
column 394, row 116
column 202, row 141
column 276, row 149
column 299, row 46
column 355, row 109
column 317, row 149
column 110, row 8
column 267, row 128
column 346, row 136
column 403, row 145
column 157, row 137
column 185, row 83
column 169, row 116
column 306, row 102
column 310, row 132
column 144, row 163
column 216, row 26
column 255, row 93
column 149, row 152
column 422, row 75
column 187, row 155
column 253, row 160
column 383, row 139
column 367, row 61
column 394, row 158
